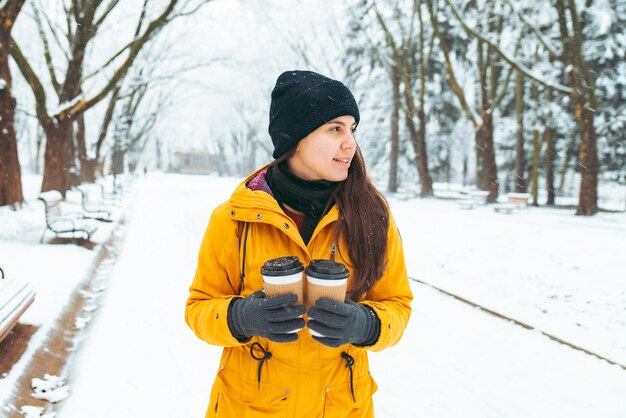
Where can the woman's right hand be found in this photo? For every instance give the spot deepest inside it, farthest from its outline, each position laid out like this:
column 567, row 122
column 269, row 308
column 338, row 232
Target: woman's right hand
column 276, row 318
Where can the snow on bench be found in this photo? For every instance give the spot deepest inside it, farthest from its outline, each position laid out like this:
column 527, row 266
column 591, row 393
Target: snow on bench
column 474, row 198
column 112, row 198
column 15, row 297
column 65, row 225
column 514, row 202
column 92, row 207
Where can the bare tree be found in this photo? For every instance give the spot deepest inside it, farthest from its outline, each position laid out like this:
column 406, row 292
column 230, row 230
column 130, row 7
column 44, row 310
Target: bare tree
column 402, row 68
column 490, row 96
column 581, row 88
column 583, row 96
column 10, row 171
column 84, row 21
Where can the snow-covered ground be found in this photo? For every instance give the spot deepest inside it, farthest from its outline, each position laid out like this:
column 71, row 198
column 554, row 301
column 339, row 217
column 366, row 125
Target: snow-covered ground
column 548, row 268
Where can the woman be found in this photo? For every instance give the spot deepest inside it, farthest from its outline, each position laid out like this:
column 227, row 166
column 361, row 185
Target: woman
column 314, row 201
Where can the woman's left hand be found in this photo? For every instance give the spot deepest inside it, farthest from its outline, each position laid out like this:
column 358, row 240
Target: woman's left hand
column 342, row 323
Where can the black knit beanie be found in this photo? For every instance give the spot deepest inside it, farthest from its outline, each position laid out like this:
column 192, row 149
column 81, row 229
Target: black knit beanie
column 302, row 101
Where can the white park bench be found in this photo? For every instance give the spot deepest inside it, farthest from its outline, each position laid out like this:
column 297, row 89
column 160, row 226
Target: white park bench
column 514, row 202
column 65, row 225
column 110, row 198
column 15, row 297
column 93, row 208
column 474, row 198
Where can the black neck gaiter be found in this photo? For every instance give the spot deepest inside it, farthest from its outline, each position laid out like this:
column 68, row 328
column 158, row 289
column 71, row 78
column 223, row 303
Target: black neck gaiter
column 308, row 197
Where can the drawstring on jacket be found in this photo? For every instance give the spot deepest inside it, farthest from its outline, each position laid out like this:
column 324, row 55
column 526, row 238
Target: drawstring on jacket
column 266, row 356
column 349, row 363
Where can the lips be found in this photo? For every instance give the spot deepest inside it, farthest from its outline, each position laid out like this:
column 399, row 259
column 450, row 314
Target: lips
column 342, row 160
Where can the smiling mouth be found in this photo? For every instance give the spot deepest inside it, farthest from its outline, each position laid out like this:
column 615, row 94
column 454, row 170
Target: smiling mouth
column 342, row 160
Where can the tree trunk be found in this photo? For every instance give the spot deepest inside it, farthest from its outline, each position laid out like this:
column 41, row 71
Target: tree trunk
column 88, row 165
column 448, row 170
column 520, row 158
column 117, row 155
column 484, row 139
column 40, row 136
column 55, row 172
column 464, row 182
column 425, row 179
column 584, row 102
column 535, row 167
column 534, row 173
column 486, row 170
column 485, row 154
column 392, row 187
column 588, row 160
column 480, row 156
column 10, row 170
column 72, row 170
column 422, row 157
column 570, row 153
column 548, row 138
column 418, row 139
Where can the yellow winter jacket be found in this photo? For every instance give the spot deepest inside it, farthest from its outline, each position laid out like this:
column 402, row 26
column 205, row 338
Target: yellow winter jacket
column 299, row 379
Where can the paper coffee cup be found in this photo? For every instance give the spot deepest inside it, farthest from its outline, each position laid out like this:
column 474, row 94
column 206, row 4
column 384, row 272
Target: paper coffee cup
column 325, row 278
column 283, row 275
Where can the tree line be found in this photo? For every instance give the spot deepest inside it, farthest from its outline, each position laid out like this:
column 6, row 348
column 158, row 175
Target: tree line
column 548, row 77
column 66, row 34
column 536, row 88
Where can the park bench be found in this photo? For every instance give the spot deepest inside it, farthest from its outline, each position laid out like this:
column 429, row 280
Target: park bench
column 92, row 207
column 65, row 225
column 514, row 202
column 15, row 297
column 113, row 198
column 474, row 198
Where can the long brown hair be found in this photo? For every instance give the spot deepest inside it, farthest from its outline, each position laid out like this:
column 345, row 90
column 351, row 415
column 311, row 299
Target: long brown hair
column 363, row 223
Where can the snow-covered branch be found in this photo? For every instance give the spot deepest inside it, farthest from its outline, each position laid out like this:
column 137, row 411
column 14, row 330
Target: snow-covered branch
column 511, row 60
column 456, row 88
column 549, row 47
column 153, row 27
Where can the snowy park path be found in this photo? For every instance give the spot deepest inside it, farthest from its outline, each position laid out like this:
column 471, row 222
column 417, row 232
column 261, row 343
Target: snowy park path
column 140, row 360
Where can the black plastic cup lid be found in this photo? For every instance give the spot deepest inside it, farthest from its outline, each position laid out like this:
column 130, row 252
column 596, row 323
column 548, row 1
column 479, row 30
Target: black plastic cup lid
column 282, row 266
column 327, row 270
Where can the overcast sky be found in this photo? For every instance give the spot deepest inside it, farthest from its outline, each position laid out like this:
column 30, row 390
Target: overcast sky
column 250, row 44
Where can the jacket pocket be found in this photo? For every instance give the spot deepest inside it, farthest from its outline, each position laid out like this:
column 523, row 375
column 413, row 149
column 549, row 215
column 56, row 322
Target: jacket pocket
column 339, row 402
column 241, row 397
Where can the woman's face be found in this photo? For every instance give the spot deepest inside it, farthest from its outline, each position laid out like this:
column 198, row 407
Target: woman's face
column 325, row 153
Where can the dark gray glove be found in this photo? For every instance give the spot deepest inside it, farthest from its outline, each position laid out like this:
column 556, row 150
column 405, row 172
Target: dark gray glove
column 275, row 318
column 342, row 323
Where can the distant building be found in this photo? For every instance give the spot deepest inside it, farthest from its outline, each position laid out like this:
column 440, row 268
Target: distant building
column 193, row 163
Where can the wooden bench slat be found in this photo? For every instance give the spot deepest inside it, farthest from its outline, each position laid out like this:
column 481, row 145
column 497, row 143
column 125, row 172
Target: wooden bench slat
column 15, row 298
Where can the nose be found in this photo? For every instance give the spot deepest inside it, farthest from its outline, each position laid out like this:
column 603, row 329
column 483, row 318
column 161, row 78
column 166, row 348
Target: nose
column 348, row 142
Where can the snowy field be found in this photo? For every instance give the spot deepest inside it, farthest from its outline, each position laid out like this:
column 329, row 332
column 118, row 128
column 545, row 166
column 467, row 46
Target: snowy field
column 562, row 274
